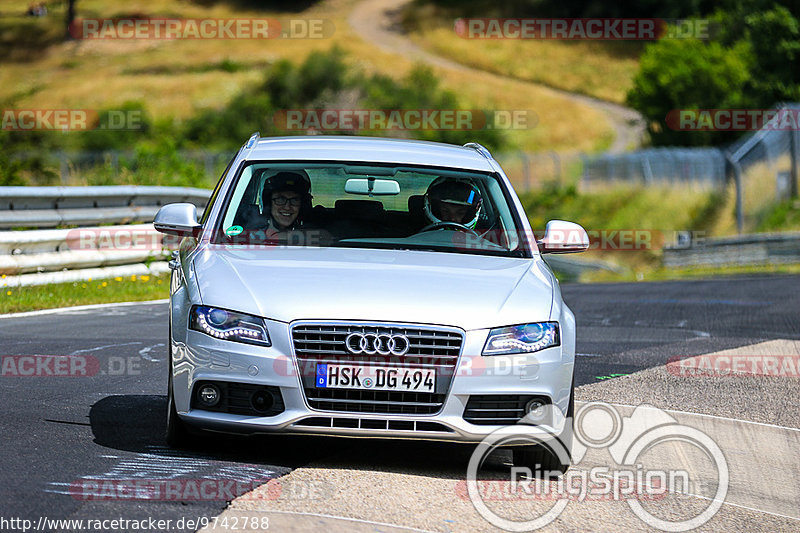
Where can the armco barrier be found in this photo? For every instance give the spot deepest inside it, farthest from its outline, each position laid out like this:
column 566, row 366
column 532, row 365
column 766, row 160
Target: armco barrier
column 38, row 256
column 50, row 207
column 757, row 249
column 52, row 250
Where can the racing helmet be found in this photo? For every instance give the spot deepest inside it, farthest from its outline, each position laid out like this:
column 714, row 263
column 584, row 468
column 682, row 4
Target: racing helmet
column 456, row 192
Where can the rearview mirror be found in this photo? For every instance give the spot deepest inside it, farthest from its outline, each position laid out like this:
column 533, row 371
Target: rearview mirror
column 177, row 219
column 562, row 237
column 372, row 187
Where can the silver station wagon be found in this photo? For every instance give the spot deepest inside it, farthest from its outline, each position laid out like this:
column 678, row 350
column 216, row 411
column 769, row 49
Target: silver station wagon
column 368, row 287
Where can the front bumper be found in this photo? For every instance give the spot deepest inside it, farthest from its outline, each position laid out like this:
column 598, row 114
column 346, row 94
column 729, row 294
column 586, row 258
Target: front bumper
column 198, row 357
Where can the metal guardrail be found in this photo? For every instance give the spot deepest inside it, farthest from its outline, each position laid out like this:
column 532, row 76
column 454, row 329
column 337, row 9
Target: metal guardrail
column 49, row 207
column 39, row 256
column 53, row 250
column 757, row 249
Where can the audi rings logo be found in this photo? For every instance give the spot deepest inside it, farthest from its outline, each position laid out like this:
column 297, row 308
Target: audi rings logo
column 377, row 343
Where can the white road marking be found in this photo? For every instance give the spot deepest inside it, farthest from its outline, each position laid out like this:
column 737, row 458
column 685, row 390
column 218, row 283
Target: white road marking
column 98, row 348
column 171, row 465
column 145, row 353
column 80, row 308
column 673, row 411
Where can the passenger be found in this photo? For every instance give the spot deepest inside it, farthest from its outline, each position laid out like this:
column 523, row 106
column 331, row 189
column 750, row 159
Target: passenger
column 286, row 197
column 453, row 200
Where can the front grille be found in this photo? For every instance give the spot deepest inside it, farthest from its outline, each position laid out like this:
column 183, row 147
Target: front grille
column 237, row 399
column 367, row 401
column 497, row 410
column 371, row 423
column 428, row 348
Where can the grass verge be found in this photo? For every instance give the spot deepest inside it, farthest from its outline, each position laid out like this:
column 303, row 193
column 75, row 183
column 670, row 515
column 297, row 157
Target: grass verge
column 143, row 288
column 676, row 274
column 127, row 289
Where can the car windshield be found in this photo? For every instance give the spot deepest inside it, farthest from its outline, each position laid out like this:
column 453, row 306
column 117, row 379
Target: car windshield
column 369, row 206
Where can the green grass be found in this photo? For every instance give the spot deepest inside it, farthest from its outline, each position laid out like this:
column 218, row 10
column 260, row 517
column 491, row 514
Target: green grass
column 127, row 289
column 179, row 78
column 604, row 70
column 698, row 272
column 784, row 216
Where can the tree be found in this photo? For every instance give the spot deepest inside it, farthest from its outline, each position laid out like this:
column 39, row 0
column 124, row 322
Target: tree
column 774, row 36
column 679, row 74
column 70, row 17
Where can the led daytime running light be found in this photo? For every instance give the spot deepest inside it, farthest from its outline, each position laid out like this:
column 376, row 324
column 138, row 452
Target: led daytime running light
column 544, row 342
column 511, row 340
column 224, row 334
column 237, row 327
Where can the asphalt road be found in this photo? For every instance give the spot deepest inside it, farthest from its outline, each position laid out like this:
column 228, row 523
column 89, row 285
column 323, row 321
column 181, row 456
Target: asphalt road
column 60, row 431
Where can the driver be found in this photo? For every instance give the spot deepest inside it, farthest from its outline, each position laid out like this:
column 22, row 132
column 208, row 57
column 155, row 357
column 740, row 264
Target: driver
column 453, row 200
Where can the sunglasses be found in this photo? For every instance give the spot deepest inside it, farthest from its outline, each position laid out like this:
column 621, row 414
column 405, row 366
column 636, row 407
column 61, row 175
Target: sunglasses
column 282, row 200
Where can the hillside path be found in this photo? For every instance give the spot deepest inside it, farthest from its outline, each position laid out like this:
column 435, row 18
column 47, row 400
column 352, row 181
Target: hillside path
column 377, row 22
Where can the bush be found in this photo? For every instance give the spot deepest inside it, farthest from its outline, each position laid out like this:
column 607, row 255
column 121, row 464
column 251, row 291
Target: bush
column 420, row 90
column 325, row 81
column 688, row 74
column 117, row 128
column 751, row 62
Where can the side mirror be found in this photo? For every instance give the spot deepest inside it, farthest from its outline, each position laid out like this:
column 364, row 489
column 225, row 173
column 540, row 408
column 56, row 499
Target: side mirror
column 562, row 237
column 177, row 219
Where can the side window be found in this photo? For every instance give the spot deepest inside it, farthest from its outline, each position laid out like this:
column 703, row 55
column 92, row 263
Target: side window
column 214, row 194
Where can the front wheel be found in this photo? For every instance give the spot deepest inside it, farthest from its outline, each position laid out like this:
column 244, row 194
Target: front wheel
column 542, row 459
column 551, row 458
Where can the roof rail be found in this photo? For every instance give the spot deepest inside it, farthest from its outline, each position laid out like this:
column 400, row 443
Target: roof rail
column 252, row 140
column 480, row 149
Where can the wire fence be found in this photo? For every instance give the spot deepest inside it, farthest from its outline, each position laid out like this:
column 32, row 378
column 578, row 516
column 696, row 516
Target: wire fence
column 762, row 168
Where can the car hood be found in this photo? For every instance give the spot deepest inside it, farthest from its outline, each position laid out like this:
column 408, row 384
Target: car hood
column 466, row 291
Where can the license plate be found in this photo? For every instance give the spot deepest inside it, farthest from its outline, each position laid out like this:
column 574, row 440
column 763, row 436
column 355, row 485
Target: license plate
column 336, row 376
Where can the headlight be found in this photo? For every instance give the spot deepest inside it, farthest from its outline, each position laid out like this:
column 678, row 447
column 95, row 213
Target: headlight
column 229, row 325
column 522, row 339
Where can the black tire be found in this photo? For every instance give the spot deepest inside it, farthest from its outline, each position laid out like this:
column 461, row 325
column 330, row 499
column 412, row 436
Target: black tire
column 540, row 459
column 177, row 432
column 545, row 457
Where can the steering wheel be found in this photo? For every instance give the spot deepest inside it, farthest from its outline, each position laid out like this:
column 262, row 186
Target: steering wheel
column 453, row 225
